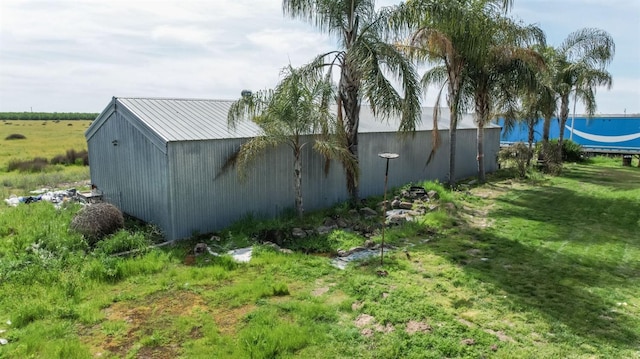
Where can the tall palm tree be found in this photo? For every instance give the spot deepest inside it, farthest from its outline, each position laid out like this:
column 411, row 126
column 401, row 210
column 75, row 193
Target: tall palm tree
column 580, row 67
column 364, row 60
column 447, row 34
column 498, row 73
column 295, row 113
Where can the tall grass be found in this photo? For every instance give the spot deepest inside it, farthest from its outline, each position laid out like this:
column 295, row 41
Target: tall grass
column 518, row 269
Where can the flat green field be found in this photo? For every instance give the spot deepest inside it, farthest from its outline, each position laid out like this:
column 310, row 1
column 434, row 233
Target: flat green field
column 43, row 139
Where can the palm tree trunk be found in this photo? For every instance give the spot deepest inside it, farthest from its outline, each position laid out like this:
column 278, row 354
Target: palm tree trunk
column 482, row 114
column 297, row 183
column 564, row 114
column 546, row 128
column 350, row 99
column 454, row 100
column 530, row 139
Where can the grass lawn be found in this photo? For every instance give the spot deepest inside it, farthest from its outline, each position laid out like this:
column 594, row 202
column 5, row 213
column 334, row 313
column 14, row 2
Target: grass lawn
column 544, row 268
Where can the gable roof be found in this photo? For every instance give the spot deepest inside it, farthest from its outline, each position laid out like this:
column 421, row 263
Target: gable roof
column 200, row 119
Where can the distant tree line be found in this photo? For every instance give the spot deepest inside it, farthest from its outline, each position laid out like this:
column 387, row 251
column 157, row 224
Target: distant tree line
column 48, row 116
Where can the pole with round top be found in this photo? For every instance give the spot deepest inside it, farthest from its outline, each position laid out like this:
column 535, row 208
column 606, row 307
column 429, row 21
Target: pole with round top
column 388, row 156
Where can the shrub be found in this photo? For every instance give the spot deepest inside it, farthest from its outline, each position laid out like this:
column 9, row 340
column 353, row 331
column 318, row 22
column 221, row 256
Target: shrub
column 97, row 221
column 571, row 151
column 37, row 164
column 15, row 136
column 519, row 154
column 72, row 157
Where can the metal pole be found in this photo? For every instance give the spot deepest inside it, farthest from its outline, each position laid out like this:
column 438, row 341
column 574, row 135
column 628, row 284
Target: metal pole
column 388, row 156
column 384, row 212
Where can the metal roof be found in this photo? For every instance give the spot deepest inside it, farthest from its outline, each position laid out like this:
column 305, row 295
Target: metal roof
column 201, row 119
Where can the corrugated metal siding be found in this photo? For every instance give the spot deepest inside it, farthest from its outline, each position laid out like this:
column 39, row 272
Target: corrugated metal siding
column 184, row 191
column 131, row 174
column 204, row 199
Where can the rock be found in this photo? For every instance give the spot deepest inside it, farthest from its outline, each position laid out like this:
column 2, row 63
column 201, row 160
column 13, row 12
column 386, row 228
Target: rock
column 433, row 194
column 342, row 253
column 342, row 223
column 200, row 248
column 215, row 239
column 354, row 213
column 395, row 203
column 396, row 219
column 433, row 207
column 298, row 233
column 405, row 194
column 322, row 230
column 406, row 205
column 450, row 206
column 472, row 182
column 417, row 191
column 368, row 212
column 285, row 251
column 369, row 243
column 271, row 244
column 3, row 341
column 329, row 222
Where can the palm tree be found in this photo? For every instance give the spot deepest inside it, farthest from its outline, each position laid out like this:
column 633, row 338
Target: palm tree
column 447, row 34
column 580, row 67
column 295, row 113
column 364, row 60
column 506, row 66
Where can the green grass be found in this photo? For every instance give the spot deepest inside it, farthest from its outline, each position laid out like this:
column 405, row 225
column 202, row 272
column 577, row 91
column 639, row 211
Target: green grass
column 43, row 139
column 541, row 268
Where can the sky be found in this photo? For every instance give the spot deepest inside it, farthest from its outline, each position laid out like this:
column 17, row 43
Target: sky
column 74, row 56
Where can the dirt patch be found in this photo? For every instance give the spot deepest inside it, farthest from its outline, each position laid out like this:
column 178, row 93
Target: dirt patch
column 227, row 319
column 415, row 327
column 143, row 317
column 320, row 291
column 363, row 320
column 357, row 305
column 500, row 334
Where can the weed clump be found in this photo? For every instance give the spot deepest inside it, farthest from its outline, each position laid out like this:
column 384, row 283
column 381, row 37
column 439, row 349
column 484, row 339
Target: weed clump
column 15, row 136
column 37, row 164
column 97, row 221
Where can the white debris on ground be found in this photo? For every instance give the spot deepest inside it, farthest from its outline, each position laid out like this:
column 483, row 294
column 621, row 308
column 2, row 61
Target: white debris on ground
column 342, row 262
column 57, row 197
column 44, row 194
column 240, row 255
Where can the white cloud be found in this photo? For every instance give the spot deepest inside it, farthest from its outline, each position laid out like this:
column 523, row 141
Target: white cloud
column 68, row 55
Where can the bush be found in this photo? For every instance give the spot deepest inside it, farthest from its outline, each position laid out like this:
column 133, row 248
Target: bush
column 97, row 221
column 72, row 157
column 15, row 136
column 37, row 164
column 518, row 154
column 571, row 151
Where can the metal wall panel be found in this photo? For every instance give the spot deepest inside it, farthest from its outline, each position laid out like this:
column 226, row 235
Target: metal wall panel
column 204, row 200
column 129, row 170
column 184, row 191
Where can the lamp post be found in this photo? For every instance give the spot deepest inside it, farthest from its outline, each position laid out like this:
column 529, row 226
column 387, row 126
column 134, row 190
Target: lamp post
column 388, row 156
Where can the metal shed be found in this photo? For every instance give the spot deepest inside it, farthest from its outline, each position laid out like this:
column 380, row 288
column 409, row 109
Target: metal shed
column 161, row 160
